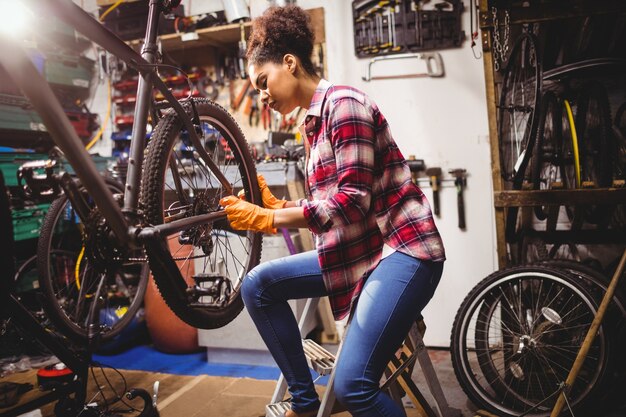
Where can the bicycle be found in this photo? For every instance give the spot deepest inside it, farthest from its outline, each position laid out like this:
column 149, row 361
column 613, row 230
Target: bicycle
column 168, row 214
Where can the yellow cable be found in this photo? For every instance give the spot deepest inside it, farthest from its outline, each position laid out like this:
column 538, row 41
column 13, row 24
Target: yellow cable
column 110, row 9
column 106, row 119
column 77, row 269
column 570, row 118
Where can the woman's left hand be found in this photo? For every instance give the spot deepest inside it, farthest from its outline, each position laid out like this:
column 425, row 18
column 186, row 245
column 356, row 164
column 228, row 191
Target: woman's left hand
column 247, row 216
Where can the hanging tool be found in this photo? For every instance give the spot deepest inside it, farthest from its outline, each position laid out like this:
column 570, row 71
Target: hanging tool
column 266, row 117
column 254, row 115
column 434, row 174
column 416, row 166
column 234, row 104
column 243, row 46
column 460, row 182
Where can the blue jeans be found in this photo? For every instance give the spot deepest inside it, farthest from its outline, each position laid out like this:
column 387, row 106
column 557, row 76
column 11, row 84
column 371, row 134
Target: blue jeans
column 392, row 298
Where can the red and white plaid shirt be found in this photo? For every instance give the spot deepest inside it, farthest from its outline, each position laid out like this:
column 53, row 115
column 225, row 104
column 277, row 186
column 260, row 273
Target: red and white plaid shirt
column 360, row 193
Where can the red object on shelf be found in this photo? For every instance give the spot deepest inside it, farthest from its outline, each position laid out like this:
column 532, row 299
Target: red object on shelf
column 125, row 99
column 84, row 123
column 126, row 84
column 124, row 120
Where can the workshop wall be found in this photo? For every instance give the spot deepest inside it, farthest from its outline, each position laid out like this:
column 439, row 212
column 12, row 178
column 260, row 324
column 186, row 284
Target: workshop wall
column 440, row 120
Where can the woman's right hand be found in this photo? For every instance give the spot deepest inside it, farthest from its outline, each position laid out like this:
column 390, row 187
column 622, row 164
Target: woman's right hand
column 269, row 200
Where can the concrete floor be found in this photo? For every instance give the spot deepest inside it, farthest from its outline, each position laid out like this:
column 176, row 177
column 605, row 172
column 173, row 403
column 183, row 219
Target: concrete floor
column 213, row 396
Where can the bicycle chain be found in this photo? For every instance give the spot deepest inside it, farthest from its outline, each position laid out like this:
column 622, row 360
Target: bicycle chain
column 500, row 49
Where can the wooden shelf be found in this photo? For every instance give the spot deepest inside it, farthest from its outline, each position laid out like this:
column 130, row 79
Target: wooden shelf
column 521, row 11
column 587, row 236
column 225, row 36
column 596, row 196
column 216, row 37
column 555, row 10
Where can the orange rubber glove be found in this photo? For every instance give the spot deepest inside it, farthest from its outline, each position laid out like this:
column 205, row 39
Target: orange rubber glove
column 247, row 216
column 269, row 200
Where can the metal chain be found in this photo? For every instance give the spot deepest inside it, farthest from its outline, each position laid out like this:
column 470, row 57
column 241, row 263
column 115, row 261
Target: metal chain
column 500, row 47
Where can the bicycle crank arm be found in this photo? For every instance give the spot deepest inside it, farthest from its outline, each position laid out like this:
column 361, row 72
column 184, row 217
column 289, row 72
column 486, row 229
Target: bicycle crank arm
column 167, row 229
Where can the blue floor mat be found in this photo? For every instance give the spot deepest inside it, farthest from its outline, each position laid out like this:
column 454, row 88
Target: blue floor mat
column 147, row 358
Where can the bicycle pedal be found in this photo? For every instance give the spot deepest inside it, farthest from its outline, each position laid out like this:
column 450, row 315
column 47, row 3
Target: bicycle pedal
column 211, row 277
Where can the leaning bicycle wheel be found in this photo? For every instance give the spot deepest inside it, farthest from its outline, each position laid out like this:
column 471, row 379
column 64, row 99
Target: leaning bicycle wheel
column 74, row 260
column 595, row 143
column 516, row 336
column 593, row 122
column 547, row 163
column 519, row 104
column 211, row 259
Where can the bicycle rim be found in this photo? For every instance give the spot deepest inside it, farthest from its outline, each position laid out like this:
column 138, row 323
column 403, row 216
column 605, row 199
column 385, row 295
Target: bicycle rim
column 212, row 259
column 519, row 98
column 593, row 123
column 571, row 155
column 516, row 336
column 619, row 128
column 68, row 278
column 547, row 162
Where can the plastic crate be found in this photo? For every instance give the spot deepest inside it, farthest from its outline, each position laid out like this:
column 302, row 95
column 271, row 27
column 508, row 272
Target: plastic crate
column 27, row 221
column 16, row 113
column 69, row 71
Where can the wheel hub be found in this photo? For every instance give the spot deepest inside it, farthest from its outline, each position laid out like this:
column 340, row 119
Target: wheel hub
column 199, row 236
column 100, row 248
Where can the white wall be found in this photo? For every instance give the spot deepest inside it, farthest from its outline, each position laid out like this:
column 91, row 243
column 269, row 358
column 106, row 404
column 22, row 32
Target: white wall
column 444, row 122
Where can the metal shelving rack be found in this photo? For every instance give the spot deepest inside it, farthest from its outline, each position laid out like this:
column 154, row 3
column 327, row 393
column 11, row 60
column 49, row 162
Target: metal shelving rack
column 534, row 12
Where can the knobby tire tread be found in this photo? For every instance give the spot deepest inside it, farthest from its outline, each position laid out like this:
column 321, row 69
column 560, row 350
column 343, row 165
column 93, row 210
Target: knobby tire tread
column 50, row 303
column 156, row 161
column 458, row 342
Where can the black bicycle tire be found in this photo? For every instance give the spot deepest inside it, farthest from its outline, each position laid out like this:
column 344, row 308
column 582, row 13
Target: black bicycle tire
column 459, row 348
column 619, row 132
column 550, row 110
column 153, row 186
column 516, row 177
column 597, row 92
column 597, row 149
column 597, row 278
column 56, row 314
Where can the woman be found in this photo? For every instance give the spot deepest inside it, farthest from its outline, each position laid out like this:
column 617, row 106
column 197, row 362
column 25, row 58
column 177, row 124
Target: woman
column 375, row 236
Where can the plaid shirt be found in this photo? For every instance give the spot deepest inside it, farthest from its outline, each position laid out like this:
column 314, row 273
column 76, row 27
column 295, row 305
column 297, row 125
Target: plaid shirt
column 360, row 193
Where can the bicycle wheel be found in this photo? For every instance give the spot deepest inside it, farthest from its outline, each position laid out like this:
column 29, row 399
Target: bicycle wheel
column 516, row 336
column 595, row 143
column 519, row 97
column 593, row 124
column 216, row 257
column 571, row 156
column 619, row 133
column 547, row 164
column 72, row 263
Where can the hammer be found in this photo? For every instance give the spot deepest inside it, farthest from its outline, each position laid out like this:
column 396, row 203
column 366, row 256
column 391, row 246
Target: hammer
column 435, row 180
column 460, row 183
column 415, row 165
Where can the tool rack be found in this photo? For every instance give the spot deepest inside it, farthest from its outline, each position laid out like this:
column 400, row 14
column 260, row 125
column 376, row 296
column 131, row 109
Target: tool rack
column 491, row 17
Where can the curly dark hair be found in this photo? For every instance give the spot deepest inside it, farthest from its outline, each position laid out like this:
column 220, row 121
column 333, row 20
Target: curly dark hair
column 280, row 31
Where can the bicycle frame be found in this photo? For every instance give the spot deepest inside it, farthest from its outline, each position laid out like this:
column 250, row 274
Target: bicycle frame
column 36, row 88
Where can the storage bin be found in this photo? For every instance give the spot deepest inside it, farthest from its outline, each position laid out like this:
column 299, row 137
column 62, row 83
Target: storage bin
column 28, row 221
column 69, row 71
